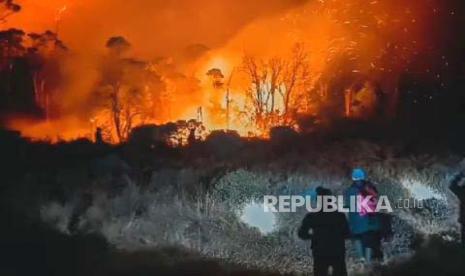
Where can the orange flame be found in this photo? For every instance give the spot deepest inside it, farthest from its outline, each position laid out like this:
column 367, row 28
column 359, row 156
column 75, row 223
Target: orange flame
column 364, row 35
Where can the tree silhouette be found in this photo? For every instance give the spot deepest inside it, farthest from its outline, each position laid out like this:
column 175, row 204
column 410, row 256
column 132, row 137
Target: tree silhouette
column 285, row 77
column 7, row 8
column 122, row 91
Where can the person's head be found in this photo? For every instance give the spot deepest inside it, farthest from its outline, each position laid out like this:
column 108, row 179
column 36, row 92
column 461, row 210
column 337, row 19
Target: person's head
column 321, row 191
column 358, row 174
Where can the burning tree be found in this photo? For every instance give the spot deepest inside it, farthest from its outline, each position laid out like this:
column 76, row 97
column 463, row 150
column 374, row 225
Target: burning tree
column 45, row 53
column 217, row 77
column 11, row 42
column 12, row 64
column 218, row 84
column 122, row 92
column 296, row 81
column 30, row 69
column 29, row 66
column 274, row 85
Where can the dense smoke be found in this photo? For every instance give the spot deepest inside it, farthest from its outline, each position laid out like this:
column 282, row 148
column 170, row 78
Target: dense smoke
column 158, row 27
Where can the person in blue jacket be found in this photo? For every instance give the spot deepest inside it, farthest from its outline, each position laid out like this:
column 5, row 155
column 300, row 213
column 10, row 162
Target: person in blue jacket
column 366, row 229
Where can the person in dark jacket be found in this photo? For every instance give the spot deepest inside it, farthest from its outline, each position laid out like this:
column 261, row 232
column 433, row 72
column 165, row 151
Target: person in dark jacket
column 458, row 188
column 366, row 228
column 329, row 230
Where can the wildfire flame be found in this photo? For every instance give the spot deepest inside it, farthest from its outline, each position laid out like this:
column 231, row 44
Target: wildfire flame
column 342, row 42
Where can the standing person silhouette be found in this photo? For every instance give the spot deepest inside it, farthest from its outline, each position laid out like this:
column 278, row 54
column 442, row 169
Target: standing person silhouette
column 329, row 230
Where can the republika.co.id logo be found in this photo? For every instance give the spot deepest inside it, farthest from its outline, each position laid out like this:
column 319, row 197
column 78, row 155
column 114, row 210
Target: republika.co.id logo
column 327, row 203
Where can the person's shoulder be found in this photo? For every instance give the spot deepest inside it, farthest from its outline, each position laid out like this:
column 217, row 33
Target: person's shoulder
column 348, row 185
column 351, row 189
column 309, row 216
column 309, row 219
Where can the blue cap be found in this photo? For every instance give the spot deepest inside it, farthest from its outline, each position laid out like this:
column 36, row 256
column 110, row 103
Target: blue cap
column 358, row 174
